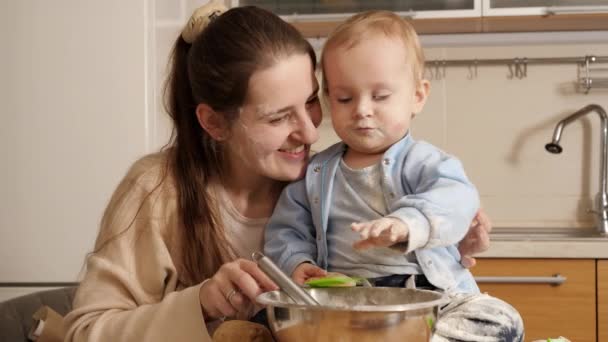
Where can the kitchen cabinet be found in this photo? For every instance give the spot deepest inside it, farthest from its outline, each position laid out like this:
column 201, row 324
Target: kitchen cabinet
column 542, row 7
column 544, row 15
column 549, row 309
column 318, row 18
column 602, row 300
column 307, row 10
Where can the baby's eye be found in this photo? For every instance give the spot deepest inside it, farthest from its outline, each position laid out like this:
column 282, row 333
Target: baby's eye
column 381, row 97
column 344, row 99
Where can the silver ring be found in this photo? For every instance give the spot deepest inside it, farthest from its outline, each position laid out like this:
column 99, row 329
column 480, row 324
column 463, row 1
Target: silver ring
column 230, row 295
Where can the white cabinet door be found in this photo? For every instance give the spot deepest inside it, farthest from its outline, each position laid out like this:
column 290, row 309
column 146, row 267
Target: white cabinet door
column 314, row 10
column 73, row 85
column 543, row 7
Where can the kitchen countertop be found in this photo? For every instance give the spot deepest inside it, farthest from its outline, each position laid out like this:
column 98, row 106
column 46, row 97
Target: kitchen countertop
column 575, row 243
column 546, row 249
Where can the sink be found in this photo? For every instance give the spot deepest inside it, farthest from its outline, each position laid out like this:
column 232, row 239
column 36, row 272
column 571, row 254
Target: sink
column 546, row 234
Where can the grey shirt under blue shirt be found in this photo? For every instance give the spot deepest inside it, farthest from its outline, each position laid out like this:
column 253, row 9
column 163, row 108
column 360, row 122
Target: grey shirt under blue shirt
column 421, row 185
column 358, row 197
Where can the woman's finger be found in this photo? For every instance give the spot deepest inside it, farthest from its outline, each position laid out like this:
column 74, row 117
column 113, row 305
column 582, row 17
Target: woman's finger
column 260, row 277
column 236, row 282
column 248, row 286
column 239, row 301
column 226, row 309
column 252, row 280
column 216, row 303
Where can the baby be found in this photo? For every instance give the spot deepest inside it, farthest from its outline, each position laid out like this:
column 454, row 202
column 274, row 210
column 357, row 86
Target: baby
column 379, row 204
column 379, row 187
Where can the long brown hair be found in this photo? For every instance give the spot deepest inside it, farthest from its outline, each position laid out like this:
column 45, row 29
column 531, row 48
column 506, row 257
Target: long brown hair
column 215, row 69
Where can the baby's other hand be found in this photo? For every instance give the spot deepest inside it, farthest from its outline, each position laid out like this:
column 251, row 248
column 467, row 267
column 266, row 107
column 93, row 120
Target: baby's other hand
column 383, row 232
column 477, row 239
column 305, row 271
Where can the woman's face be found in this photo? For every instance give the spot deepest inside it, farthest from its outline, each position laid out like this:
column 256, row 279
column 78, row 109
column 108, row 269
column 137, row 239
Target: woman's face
column 278, row 121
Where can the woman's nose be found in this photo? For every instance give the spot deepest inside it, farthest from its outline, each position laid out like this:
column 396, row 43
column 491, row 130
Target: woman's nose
column 306, row 130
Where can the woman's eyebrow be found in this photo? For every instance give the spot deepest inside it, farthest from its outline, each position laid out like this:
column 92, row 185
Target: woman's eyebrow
column 261, row 113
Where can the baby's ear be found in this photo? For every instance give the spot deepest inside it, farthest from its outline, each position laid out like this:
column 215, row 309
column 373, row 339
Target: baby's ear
column 421, row 94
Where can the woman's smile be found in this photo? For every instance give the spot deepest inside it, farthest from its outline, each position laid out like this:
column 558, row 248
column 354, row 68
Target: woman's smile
column 296, row 154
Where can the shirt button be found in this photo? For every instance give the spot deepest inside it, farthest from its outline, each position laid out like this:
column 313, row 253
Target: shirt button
column 316, row 200
column 386, row 161
column 318, row 238
column 430, row 262
column 317, row 169
column 392, row 194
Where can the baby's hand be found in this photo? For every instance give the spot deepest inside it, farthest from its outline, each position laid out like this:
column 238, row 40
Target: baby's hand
column 383, row 232
column 305, row 271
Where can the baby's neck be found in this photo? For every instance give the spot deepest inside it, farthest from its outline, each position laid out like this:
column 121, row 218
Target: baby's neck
column 358, row 160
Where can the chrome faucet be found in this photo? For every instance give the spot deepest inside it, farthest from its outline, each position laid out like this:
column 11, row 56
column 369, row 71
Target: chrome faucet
column 601, row 200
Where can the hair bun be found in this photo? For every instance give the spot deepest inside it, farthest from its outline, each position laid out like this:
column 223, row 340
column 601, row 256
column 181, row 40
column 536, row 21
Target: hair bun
column 201, row 17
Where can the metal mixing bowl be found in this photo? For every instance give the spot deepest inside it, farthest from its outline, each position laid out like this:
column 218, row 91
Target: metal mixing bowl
column 354, row 314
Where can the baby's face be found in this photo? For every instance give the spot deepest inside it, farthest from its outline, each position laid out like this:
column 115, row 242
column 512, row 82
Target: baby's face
column 372, row 93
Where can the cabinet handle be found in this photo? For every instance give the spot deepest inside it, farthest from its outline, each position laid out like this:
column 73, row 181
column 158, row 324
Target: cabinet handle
column 557, row 279
column 556, row 10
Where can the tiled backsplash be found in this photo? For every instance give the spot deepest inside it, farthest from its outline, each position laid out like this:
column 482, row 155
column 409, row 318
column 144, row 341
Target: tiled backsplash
column 497, row 126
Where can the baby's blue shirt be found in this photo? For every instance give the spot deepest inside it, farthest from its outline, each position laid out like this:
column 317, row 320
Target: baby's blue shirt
column 422, row 185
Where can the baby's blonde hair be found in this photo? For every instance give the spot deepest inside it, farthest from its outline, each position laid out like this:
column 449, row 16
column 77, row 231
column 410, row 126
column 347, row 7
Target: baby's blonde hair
column 362, row 25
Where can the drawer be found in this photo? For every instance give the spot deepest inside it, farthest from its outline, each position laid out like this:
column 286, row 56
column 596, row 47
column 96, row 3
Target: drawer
column 548, row 309
column 602, row 300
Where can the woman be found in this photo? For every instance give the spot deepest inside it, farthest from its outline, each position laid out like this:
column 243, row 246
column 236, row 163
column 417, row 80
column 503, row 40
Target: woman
column 170, row 258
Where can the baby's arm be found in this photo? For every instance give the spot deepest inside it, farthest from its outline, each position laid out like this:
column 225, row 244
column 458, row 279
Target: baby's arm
column 290, row 232
column 441, row 202
column 436, row 210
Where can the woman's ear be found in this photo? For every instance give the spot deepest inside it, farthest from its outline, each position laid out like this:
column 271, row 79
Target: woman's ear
column 212, row 122
column 421, row 95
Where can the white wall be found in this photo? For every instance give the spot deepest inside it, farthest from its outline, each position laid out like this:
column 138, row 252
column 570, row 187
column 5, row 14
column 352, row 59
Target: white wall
column 73, row 101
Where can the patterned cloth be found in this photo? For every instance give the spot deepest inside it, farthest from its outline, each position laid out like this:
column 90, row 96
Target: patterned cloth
column 478, row 318
column 467, row 317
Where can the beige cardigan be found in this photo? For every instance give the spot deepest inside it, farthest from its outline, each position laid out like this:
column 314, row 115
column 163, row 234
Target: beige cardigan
column 132, row 290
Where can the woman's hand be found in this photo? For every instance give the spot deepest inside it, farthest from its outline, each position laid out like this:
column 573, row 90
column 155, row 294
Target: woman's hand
column 233, row 289
column 305, row 271
column 477, row 239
